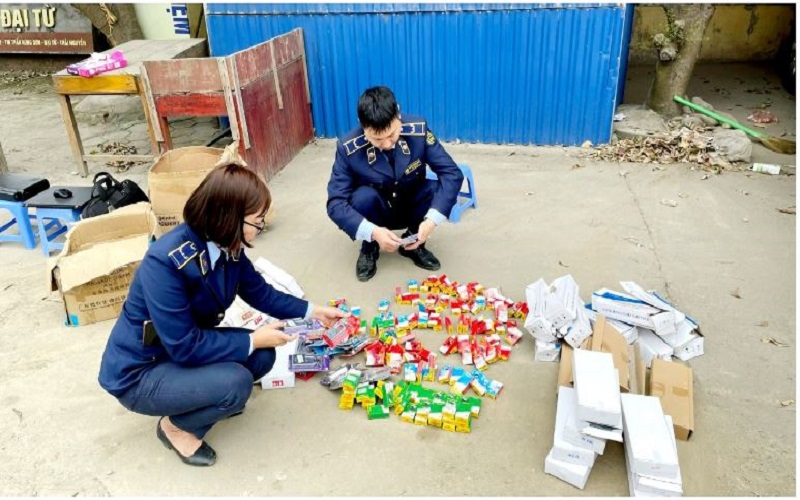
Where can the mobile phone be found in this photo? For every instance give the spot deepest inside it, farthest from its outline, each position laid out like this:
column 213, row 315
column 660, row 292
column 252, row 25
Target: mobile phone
column 149, row 335
column 409, row 239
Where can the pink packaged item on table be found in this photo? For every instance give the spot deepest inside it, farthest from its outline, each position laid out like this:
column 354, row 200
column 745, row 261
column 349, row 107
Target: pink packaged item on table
column 98, row 63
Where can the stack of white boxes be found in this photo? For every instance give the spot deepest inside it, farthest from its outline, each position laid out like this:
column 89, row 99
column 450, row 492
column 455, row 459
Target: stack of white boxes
column 556, row 312
column 663, row 330
column 585, row 417
column 573, row 453
column 650, row 450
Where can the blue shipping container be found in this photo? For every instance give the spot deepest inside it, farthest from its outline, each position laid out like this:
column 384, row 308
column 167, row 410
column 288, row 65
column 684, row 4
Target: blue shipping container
column 483, row 73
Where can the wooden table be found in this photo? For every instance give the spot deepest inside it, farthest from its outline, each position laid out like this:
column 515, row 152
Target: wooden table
column 124, row 81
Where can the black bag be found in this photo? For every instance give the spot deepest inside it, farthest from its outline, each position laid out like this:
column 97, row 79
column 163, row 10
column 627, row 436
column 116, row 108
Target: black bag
column 109, row 194
column 18, row 187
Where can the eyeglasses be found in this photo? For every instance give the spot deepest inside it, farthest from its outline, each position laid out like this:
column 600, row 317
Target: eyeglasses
column 259, row 229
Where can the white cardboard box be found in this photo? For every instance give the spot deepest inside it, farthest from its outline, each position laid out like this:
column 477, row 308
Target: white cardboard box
column 280, row 377
column 653, row 346
column 576, row 475
column 563, row 450
column 630, row 332
column 646, row 485
column 651, row 442
column 570, row 431
column 547, row 351
column 597, row 388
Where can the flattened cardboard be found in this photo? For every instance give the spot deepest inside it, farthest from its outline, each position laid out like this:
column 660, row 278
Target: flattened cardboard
column 672, row 383
column 174, row 176
column 96, row 266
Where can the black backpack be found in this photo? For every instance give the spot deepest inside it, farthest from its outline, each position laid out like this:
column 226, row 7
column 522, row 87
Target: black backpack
column 109, row 194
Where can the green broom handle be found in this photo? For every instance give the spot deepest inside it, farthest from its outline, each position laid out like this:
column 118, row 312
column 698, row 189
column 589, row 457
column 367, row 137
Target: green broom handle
column 719, row 117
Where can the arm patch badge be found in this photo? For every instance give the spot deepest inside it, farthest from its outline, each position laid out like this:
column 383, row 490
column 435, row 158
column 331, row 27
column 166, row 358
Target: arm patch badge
column 430, row 138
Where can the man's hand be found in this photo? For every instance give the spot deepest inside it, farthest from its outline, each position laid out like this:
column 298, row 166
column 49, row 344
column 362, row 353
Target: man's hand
column 425, row 229
column 388, row 241
column 270, row 336
column 327, row 315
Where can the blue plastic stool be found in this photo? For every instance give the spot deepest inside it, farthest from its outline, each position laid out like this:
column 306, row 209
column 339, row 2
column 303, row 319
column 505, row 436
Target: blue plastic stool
column 22, row 220
column 60, row 219
column 466, row 198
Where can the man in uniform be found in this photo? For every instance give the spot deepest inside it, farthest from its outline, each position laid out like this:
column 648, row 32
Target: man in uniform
column 379, row 184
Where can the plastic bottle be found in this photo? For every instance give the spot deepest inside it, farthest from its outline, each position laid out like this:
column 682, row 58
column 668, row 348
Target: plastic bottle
column 766, row 168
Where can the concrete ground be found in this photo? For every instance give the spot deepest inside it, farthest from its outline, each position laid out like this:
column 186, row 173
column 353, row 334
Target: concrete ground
column 544, row 212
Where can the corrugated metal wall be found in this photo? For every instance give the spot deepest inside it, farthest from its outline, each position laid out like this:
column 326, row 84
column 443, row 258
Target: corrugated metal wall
column 489, row 73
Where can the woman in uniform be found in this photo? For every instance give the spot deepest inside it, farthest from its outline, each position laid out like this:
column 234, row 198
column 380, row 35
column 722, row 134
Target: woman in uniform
column 165, row 356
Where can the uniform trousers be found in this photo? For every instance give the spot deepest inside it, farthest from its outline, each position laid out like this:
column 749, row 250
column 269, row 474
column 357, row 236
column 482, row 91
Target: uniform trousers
column 406, row 211
column 197, row 397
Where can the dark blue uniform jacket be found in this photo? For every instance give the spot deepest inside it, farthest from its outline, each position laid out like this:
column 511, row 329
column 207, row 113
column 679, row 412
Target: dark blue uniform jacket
column 175, row 287
column 359, row 163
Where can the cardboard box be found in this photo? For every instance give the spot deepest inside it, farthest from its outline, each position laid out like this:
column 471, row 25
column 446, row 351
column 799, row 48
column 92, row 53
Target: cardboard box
column 576, row 475
column 280, row 377
column 650, row 441
column 653, row 347
column 630, row 332
column 597, row 388
column 647, row 485
column 547, row 351
column 96, row 266
column 627, row 359
column 672, row 383
column 563, row 450
column 174, row 176
column 570, row 432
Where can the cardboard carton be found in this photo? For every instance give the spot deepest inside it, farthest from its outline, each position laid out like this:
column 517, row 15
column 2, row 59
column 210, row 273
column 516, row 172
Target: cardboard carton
column 653, row 347
column 650, row 441
column 96, row 266
column 627, row 358
column 281, row 377
column 570, row 431
column 174, row 176
column 672, row 383
column 576, row 475
column 547, row 351
column 597, row 388
column 563, row 450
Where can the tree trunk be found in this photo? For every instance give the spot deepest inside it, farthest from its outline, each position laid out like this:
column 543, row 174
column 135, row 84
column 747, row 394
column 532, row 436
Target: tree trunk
column 117, row 21
column 678, row 50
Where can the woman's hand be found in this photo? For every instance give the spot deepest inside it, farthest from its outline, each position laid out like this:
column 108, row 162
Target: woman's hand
column 270, row 336
column 327, row 315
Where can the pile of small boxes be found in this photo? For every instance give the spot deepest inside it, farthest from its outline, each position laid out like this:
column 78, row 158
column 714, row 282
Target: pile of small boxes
column 645, row 318
column 478, row 340
column 413, row 402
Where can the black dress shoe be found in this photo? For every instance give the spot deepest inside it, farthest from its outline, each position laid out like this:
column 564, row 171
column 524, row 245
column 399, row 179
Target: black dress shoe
column 367, row 263
column 422, row 257
column 203, row 456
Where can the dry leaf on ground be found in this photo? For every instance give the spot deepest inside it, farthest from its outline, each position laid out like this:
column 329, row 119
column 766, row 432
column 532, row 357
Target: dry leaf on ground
column 774, row 341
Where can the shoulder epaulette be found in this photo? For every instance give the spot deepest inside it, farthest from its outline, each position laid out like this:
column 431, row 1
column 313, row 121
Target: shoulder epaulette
column 355, row 144
column 417, row 128
column 183, row 254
